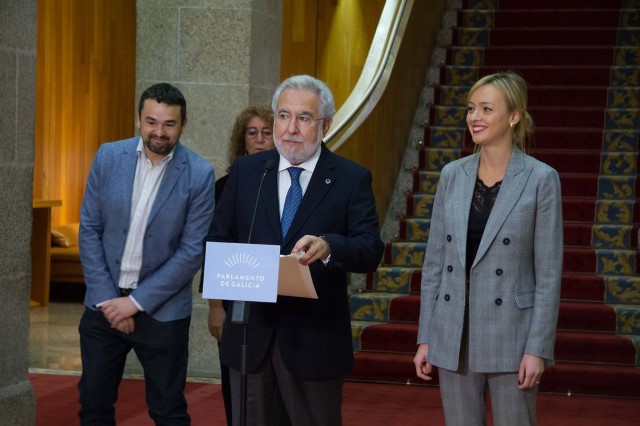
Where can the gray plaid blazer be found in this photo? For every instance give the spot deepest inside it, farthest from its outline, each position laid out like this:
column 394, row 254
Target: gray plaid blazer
column 515, row 278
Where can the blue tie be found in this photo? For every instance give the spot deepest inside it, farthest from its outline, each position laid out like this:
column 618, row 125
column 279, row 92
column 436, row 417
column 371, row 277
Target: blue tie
column 292, row 202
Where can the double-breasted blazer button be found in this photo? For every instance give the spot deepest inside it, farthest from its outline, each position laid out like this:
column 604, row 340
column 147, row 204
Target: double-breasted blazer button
column 506, row 241
column 498, row 301
column 449, row 238
column 450, row 268
column 499, row 272
column 446, row 297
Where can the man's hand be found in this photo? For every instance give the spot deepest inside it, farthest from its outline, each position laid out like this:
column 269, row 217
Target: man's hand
column 311, row 248
column 126, row 326
column 217, row 315
column 118, row 309
column 423, row 368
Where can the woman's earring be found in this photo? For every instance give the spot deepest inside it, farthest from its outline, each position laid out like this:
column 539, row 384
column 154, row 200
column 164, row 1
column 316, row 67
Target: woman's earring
column 512, row 124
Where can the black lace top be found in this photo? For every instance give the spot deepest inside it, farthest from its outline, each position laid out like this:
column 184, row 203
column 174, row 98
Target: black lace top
column 483, row 199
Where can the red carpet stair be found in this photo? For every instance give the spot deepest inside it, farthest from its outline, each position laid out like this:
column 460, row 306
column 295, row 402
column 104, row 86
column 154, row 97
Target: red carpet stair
column 581, row 59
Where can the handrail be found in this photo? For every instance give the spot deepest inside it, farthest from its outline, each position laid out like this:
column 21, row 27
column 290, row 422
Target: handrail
column 375, row 74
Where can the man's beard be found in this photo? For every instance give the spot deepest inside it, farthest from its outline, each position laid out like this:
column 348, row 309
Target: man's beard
column 292, row 152
column 163, row 149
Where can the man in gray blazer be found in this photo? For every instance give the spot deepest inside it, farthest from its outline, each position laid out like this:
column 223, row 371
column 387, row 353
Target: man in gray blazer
column 148, row 204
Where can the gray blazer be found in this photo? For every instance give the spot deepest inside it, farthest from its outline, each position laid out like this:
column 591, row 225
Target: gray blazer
column 177, row 225
column 515, row 278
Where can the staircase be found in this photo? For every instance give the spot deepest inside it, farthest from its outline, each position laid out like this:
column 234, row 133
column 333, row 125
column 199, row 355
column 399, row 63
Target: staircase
column 581, row 59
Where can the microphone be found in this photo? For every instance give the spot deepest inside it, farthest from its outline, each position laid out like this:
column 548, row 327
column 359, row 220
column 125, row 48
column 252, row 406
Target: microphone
column 240, row 309
column 268, row 166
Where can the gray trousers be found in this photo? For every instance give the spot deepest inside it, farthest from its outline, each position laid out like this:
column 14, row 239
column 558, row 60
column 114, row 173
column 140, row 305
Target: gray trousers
column 464, row 392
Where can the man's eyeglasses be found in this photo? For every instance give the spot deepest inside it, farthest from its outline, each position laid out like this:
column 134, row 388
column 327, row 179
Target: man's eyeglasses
column 252, row 133
column 302, row 120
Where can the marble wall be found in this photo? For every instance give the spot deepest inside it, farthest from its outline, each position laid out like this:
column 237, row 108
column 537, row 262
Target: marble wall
column 17, row 117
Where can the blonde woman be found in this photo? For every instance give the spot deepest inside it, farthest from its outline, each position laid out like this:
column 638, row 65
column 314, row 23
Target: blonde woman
column 492, row 269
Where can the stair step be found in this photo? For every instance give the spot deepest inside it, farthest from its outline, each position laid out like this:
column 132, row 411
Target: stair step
column 573, row 184
column 567, row 378
column 395, row 279
column 574, row 315
column 567, row 161
column 607, row 380
column 374, row 306
column 575, row 234
column 585, row 316
column 550, row 4
column 581, row 185
column 574, row 209
column 570, row 346
column 390, row 337
column 391, row 367
column 594, row 347
column 575, row 286
column 507, row 56
column 564, row 161
column 517, row 37
column 537, row 74
column 401, row 253
column 540, row 18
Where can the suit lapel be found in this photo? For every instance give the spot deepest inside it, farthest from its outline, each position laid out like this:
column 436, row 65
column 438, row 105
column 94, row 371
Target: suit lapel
column 321, row 180
column 269, row 196
column 129, row 163
column 171, row 174
column 462, row 203
column 512, row 186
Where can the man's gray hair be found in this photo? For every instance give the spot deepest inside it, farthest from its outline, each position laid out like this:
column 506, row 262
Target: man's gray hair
column 306, row 82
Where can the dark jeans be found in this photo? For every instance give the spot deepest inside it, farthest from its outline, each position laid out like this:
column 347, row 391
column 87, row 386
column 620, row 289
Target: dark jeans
column 163, row 351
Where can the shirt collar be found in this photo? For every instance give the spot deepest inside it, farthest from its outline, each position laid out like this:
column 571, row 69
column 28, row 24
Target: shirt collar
column 308, row 165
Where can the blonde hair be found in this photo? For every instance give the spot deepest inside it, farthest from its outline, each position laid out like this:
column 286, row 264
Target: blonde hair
column 514, row 91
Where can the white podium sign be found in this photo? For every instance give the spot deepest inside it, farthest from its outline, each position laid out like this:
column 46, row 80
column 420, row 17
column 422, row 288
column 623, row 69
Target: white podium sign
column 246, row 272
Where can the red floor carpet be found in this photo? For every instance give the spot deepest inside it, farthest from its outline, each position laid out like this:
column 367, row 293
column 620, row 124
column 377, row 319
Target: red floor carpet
column 364, row 404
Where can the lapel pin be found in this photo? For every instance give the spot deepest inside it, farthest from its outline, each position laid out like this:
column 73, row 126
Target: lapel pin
column 327, row 181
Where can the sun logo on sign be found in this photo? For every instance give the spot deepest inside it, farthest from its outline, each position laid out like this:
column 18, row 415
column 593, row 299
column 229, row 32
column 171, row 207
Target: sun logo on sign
column 242, row 259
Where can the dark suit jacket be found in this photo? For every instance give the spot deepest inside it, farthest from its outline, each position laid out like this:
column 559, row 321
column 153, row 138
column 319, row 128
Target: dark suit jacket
column 314, row 336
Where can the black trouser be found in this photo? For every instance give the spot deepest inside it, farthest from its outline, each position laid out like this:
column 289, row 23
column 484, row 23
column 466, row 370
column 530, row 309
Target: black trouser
column 163, row 351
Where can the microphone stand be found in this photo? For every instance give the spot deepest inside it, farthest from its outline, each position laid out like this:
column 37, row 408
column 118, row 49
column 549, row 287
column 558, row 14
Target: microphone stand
column 240, row 312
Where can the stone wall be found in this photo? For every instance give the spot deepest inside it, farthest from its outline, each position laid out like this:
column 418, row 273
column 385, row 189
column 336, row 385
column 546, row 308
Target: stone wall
column 17, row 118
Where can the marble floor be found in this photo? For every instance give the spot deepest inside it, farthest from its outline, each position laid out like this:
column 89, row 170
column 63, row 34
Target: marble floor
column 54, row 343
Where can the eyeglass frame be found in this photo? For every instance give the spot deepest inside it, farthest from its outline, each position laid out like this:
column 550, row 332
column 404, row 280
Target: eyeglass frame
column 301, row 124
column 248, row 130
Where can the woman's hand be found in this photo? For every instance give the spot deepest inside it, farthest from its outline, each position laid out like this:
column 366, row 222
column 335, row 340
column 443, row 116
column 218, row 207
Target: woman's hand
column 423, row 368
column 531, row 369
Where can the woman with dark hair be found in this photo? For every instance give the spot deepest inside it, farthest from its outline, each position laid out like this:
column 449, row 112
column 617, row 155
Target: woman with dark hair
column 252, row 132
